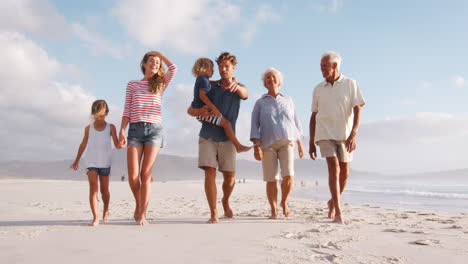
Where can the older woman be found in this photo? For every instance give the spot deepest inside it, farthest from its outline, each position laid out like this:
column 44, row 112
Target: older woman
column 275, row 129
column 145, row 134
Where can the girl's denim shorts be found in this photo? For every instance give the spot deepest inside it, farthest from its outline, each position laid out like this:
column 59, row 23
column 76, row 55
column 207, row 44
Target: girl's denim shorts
column 145, row 134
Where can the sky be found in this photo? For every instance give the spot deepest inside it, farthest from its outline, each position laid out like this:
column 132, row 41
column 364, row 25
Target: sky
column 408, row 57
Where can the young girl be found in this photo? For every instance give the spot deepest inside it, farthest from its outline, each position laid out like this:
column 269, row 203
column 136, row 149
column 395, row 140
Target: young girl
column 98, row 157
column 203, row 70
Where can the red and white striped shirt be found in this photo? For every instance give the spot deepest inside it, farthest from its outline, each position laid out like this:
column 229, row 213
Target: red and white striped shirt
column 141, row 105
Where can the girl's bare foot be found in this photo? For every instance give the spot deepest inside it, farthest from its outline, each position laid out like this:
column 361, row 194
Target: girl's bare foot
column 331, row 209
column 242, row 148
column 95, row 222
column 338, row 219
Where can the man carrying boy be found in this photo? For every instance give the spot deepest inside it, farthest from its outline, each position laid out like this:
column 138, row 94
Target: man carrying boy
column 215, row 149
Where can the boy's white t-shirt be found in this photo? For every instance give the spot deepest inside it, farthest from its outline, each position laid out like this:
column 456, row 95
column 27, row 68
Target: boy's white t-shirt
column 334, row 106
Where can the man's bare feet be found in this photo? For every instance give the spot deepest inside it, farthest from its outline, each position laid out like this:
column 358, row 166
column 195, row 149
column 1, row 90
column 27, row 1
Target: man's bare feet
column 105, row 216
column 227, row 209
column 331, row 209
column 95, row 222
column 338, row 219
column 242, row 148
column 285, row 207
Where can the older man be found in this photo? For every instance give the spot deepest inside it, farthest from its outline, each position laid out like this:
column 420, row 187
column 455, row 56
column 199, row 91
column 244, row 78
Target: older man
column 336, row 113
column 215, row 149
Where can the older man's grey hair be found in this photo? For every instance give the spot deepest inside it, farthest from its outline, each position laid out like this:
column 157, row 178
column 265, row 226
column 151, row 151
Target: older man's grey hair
column 333, row 57
column 274, row 71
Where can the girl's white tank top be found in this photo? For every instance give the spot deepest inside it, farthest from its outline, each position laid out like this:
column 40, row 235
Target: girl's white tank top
column 99, row 148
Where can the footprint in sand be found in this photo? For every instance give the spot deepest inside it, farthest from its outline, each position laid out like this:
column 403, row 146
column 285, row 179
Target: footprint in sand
column 425, row 242
column 394, row 230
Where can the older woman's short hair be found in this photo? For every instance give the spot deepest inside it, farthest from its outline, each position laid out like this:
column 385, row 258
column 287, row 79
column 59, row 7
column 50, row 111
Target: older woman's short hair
column 333, row 57
column 278, row 74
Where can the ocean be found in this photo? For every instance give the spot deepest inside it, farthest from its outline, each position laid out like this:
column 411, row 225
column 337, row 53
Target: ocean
column 421, row 194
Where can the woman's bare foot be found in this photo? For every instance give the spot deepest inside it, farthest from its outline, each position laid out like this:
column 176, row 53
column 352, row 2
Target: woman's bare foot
column 136, row 214
column 227, row 209
column 242, row 148
column 142, row 221
column 105, row 216
column 338, row 219
column 214, row 218
column 331, row 209
column 285, row 207
column 95, row 222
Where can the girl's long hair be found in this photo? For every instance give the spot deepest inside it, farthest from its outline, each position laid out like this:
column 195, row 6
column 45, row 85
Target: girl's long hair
column 155, row 82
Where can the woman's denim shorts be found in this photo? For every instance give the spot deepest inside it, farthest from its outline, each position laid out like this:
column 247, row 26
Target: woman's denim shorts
column 145, row 134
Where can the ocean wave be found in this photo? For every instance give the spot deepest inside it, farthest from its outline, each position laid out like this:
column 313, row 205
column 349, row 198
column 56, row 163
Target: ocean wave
column 415, row 193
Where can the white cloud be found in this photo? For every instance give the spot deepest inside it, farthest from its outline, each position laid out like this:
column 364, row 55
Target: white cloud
column 42, row 19
column 41, row 118
column 96, row 42
column 265, row 13
column 421, row 142
column 36, row 17
column 188, row 26
column 459, row 81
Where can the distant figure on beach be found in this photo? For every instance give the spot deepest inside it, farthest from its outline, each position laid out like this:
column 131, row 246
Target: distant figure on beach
column 142, row 111
column 123, row 178
column 97, row 142
column 215, row 150
column 203, row 70
column 274, row 131
column 336, row 114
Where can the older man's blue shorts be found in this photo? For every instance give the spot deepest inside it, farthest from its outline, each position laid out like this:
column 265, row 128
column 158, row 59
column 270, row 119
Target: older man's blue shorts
column 145, row 134
column 100, row 171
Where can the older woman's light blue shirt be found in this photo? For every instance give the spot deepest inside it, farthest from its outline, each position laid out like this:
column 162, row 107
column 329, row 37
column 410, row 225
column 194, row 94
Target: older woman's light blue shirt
column 275, row 119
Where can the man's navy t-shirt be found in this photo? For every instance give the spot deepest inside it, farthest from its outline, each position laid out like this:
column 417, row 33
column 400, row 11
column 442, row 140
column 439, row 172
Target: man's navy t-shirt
column 228, row 104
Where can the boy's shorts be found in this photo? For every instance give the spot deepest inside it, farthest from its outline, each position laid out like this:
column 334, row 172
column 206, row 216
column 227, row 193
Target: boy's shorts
column 334, row 148
column 210, row 119
column 100, row 171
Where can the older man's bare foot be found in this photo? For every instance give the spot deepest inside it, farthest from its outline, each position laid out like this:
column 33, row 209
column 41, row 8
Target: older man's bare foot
column 105, row 216
column 95, row 222
column 285, row 207
column 227, row 209
column 338, row 219
column 331, row 209
column 242, row 148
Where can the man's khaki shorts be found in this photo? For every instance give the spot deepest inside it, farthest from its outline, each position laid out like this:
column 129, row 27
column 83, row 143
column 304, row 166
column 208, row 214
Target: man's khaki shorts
column 221, row 155
column 282, row 151
column 334, row 148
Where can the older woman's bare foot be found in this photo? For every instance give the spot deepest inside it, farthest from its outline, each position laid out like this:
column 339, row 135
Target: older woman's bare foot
column 338, row 219
column 95, row 222
column 227, row 209
column 105, row 216
column 242, row 148
column 331, row 209
column 285, row 207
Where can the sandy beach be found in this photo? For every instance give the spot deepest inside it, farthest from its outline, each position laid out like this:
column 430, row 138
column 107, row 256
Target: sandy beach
column 45, row 221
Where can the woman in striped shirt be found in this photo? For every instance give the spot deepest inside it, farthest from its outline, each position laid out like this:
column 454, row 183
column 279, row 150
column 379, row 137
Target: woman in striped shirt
column 145, row 134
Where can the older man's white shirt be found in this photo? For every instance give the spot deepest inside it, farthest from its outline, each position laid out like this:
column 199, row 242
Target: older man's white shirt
column 334, row 106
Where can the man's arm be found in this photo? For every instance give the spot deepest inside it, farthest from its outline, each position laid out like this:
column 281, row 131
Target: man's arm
column 351, row 141
column 312, row 148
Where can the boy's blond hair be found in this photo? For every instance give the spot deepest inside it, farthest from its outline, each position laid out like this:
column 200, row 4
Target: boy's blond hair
column 201, row 66
column 99, row 109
